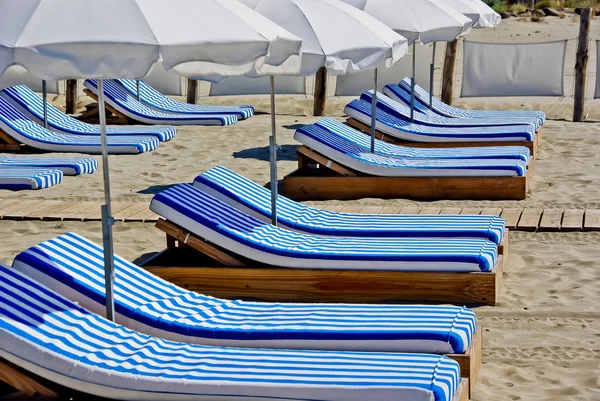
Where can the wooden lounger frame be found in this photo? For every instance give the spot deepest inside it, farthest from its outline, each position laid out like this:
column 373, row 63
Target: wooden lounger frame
column 8, row 143
column 30, row 387
column 92, row 115
column 532, row 145
column 320, row 178
column 234, row 278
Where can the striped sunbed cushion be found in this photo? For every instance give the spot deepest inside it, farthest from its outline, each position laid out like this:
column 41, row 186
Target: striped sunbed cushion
column 62, row 342
column 29, row 178
column 156, row 100
column 123, row 102
column 68, row 165
column 74, row 266
column 32, row 106
column 402, row 128
column 396, row 104
column 255, row 200
column 25, row 131
column 225, row 226
column 443, row 109
column 360, row 159
column 390, row 149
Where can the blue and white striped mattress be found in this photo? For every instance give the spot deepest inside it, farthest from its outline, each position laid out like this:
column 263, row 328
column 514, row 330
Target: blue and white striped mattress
column 25, row 131
column 358, row 158
column 128, row 105
column 253, row 199
column 32, row 106
column 62, row 342
column 29, row 178
column 443, row 109
column 392, row 150
column 400, row 105
column 156, row 100
column 68, row 165
column 74, row 267
column 227, row 227
column 402, row 128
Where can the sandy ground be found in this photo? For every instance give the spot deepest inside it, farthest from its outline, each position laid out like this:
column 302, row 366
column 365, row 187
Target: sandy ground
column 542, row 341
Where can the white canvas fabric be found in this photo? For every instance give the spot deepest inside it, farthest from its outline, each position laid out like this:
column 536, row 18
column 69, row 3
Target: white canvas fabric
column 334, row 35
column 513, row 69
column 125, row 38
column 16, row 75
column 482, row 15
column 166, row 82
column 423, row 20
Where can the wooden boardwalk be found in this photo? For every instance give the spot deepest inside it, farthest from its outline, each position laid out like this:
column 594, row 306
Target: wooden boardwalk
column 516, row 219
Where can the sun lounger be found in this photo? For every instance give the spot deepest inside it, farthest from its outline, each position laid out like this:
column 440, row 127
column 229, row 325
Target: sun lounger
column 396, row 129
column 16, row 129
column 29, row 178
column 122, row 104
column 443, row 109
column 156, row 100
column 68, row 165
column 74, row 267
column 255, row 200
column 236, row 239
column 330, row 167
column 50, row 345
column 399, row 105
column 32, row 106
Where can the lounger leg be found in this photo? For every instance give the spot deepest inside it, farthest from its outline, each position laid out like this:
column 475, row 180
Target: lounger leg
column 171, row 242
column 27, row 386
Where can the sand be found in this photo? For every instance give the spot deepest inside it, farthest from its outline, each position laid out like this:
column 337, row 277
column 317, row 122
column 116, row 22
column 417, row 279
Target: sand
column 541, row 342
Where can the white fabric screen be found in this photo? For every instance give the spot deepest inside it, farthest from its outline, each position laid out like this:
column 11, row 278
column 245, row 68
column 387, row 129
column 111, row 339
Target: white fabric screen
column 19, row 76
column 597, row 91
column 284, row 85
column 166, row 82
column 513, row 69
column 355, row 84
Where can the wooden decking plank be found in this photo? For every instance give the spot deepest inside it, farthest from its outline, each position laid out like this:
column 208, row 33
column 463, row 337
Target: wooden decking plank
column 75, row 212
column 530, row 220
column 150, row 216
column 5, row 203
column 573, row 220
column 511, row 217
column 137, row 208
column 351, row 209
column 591, row 220
column 471, row 211
column 334, row 208
column 494, row 211
column 92, row 212
column 50, row 207
column 431, row 210
column 133, row 208
column 19, row 209
column 450, row 210
column 37, row 210
column 390, row 210
column 410, row 210
column 551, row 220
column 371, row 210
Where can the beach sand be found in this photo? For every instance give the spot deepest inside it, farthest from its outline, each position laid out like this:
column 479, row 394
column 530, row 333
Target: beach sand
column 541, row 342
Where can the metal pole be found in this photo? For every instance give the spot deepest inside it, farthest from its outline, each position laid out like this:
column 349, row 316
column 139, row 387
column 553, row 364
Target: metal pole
column 45, row 97
column 137, row 84
column 431, row 73
column 373, row 111
column 273, row 156
column 412, row 84
column 107, row 220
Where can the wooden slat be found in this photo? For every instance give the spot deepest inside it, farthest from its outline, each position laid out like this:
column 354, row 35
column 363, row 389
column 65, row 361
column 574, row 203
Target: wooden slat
column 390, row 210
column 371, row 210
column 450, row 210
column 19, row 208
column 325, row 162
column 27, row 386
column 511, row 217
column 38, row 210
column 410, row 210
column 573, row 220
column 57, row 209
column 591, row 220
column 491, row 211
column 134, row 210
column 530, row 220
column 76, row 211
column 471, row 211
column 351, row 209
column 334, row 208
column 5, row 203
column 551, row 220
column 431, row 210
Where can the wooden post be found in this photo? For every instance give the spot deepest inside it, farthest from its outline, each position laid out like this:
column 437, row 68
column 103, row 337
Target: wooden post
column 192, row 91
column 448, row 73
column 320, row 92
column 71, row 96
column 581, row 63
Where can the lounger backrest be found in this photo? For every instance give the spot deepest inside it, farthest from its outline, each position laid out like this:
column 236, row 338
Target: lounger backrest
column 364, row 107
column 389, row 105
column 124, row 99
column 436, row 103
column 12, row 117
column 74, row 260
